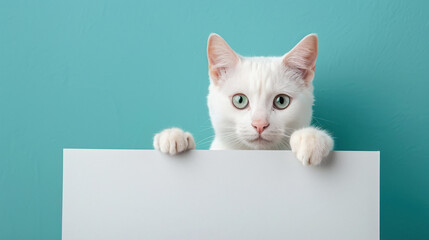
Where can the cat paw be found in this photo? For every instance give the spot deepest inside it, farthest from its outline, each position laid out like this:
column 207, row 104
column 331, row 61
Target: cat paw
column 310, row 145
column 173, row 141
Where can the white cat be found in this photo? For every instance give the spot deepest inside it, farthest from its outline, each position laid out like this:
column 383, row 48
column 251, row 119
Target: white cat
column 259, row 103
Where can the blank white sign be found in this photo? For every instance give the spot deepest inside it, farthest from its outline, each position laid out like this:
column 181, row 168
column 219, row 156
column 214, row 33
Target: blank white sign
column 203, row 195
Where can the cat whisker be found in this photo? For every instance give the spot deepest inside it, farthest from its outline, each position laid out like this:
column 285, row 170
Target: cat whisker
column 322, row 119
column 204, row 140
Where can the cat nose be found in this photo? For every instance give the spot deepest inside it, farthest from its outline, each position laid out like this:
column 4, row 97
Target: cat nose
column 260, row 126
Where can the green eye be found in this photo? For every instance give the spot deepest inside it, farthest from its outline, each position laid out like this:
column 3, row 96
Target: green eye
column 281, row 101
column 240, row 101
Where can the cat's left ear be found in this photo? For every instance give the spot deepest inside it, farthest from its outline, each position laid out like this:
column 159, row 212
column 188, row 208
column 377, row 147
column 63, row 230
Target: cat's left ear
column 303, row 57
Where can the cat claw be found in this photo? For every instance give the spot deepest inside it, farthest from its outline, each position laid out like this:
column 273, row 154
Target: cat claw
column 311, row 145
column 173, row 141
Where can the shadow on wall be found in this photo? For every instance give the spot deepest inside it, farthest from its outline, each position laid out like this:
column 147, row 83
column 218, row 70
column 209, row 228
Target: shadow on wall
column 348, row 106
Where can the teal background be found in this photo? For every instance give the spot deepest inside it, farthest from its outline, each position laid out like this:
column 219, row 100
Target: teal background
column 110, row 74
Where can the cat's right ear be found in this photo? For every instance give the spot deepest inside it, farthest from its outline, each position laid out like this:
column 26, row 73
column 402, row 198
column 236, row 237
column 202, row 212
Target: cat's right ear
column 221, row 58
column 303, row 57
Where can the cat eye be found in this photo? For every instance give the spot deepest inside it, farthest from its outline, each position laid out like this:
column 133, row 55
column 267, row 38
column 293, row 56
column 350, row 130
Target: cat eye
column 281, row 101
column 240, row 101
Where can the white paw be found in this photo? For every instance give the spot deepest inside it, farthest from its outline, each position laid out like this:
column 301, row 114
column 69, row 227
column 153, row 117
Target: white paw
column 173, row 141
column 310, row 145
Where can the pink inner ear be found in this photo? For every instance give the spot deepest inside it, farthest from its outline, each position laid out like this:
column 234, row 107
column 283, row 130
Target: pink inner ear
column 220, row 55
column 216, row 73
column 303, row 57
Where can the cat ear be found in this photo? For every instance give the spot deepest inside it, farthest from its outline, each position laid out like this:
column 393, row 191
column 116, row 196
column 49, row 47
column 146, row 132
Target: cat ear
column 221, row 57
column 303, row 57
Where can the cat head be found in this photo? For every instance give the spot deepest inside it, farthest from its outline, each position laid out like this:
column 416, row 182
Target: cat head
column 257, row 102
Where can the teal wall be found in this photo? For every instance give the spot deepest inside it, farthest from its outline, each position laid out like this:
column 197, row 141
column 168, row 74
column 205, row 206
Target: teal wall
column 109, row 74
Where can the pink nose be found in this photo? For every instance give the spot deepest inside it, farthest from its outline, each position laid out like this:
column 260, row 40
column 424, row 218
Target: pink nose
column 260, row 126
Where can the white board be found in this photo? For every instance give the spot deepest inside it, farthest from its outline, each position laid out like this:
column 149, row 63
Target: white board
column 203, row 195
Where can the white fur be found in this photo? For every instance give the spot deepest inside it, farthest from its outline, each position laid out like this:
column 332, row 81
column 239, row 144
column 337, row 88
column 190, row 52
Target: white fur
column 310, row 145
column 173, row 141
column 261, row 79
